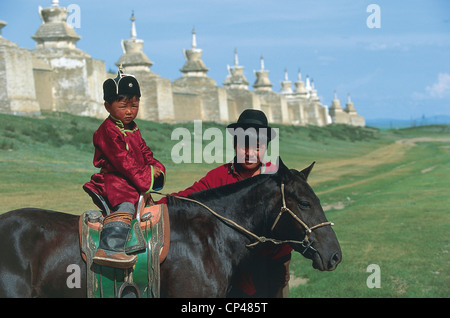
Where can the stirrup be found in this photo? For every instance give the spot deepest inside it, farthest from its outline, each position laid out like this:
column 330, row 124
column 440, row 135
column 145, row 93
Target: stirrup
column 121, row 260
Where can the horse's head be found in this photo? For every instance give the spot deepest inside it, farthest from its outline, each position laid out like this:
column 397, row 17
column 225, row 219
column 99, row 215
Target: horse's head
column 303, row 220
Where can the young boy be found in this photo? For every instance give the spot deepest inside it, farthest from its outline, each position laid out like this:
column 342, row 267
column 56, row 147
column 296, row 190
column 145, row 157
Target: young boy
column 127, row 165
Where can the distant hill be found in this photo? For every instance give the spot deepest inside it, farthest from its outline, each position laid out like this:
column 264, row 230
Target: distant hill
column 402, row 123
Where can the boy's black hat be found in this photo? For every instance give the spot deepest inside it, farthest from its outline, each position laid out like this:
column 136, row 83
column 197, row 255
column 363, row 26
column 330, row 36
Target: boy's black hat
column 253, row 118
column 123, row 84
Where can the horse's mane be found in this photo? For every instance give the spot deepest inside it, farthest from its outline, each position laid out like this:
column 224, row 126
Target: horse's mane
column 229, row 189
column 222, row 200
column 233, row 188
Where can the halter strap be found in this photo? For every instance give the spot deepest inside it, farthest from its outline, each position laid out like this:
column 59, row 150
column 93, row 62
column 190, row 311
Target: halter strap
column 262, row 239
column 284, row 208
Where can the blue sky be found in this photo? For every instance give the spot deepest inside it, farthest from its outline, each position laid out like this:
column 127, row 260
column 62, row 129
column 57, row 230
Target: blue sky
column 400, row 70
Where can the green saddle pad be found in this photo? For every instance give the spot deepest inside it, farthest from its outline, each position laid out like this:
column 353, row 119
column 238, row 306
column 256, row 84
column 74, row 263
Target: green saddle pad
column 140, row 281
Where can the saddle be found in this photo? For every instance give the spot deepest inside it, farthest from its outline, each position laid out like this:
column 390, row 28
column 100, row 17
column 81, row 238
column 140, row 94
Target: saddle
column 149, row 239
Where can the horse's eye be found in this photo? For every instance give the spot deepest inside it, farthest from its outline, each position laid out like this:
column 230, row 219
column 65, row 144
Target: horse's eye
column 304, row 205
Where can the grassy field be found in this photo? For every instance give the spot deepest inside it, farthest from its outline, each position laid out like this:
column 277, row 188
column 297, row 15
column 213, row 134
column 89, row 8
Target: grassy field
column 393, row 211
column 386, row 191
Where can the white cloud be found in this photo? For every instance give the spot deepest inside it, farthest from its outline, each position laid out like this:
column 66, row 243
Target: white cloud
column 441, row 88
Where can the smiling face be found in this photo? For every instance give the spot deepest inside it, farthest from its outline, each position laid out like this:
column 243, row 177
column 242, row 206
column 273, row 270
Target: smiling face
column 125, row 109
column 249, row 156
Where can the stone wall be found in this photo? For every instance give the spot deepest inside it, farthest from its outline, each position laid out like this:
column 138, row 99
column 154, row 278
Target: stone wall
column 57, row 76
column 17, row 89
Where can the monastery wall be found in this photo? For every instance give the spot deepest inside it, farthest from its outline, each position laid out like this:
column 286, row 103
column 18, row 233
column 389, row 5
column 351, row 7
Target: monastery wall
column 17, row 89
column 57, row 76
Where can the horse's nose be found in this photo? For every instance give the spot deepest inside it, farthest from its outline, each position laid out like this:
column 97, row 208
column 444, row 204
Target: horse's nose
column 334, row 260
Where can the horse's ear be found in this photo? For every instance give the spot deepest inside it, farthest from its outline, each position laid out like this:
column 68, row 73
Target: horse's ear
column 305, row 172
column 282, row 170
column 282, row 167
column 280, row 164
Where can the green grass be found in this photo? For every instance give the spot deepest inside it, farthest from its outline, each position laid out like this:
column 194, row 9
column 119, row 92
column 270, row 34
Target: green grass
column 391, row 200
column 399, row 221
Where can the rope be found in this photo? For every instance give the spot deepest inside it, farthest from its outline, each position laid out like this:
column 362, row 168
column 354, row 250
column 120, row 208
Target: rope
column 286, row 209
column 259, row 239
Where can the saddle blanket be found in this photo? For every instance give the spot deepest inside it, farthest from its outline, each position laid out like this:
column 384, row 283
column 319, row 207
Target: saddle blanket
column 148, row 239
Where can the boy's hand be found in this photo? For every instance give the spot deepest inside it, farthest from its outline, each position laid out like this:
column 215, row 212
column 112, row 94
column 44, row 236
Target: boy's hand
column 156, row 172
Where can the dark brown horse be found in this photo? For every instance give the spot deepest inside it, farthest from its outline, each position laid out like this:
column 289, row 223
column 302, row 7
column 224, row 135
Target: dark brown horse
column 39, row 248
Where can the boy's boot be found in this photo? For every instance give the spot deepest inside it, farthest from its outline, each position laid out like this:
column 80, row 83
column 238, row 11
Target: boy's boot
column 113, row 237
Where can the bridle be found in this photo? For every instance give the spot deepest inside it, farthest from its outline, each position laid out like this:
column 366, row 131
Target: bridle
column 306, row 243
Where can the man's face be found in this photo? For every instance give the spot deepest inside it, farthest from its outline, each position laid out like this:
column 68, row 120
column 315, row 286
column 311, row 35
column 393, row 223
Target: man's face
column 249, row 155
column 124, row 110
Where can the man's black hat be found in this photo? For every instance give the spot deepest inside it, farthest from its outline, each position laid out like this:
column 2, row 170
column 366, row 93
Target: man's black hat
column 253, row 118
column 123, row 84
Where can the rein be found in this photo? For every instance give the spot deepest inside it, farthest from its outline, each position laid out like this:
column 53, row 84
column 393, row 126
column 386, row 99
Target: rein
column 262, row 239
